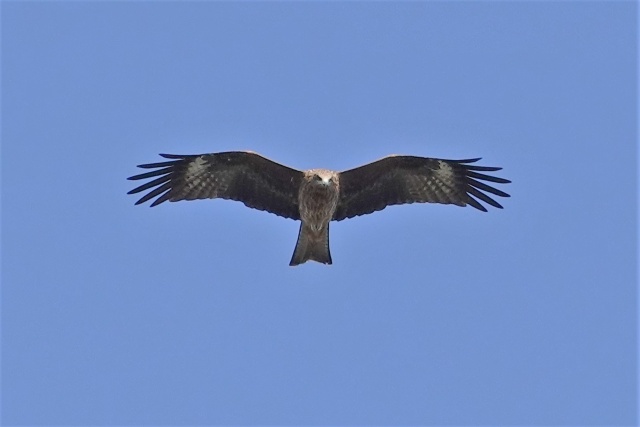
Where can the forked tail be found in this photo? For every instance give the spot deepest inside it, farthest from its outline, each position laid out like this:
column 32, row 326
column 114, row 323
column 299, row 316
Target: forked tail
column 312, row 245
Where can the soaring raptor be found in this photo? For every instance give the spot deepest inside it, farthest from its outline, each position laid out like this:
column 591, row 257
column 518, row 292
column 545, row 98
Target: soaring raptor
column 318, row 196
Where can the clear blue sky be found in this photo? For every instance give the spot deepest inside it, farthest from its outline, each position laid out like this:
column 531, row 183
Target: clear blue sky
column 188, row 313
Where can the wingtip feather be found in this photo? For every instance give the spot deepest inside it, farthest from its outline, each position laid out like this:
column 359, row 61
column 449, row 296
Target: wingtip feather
column 180, row 156
column 469, row 160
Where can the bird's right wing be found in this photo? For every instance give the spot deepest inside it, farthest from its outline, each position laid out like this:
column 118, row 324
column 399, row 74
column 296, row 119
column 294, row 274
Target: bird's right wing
column 247, row 177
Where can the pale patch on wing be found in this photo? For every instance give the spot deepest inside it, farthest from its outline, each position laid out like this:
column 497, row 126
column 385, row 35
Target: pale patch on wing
column 196, row 173
column 197, row 166
column 445, row 175
column 442, row 184
column 445, row 172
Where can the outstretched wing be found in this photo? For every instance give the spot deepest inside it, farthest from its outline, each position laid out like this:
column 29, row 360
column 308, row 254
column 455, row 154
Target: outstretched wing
column 247, row 177
column 397, row 180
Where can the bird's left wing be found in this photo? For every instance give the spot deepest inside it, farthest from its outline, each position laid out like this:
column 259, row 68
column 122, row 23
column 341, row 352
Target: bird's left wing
column 397, row 180
column 244, row 176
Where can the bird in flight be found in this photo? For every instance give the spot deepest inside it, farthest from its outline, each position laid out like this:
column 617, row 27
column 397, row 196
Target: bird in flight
column 317, row 196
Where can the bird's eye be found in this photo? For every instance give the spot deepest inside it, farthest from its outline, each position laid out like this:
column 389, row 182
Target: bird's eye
column 317, row 177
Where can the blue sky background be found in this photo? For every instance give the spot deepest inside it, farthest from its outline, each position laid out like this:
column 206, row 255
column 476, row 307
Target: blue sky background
column 188, row 313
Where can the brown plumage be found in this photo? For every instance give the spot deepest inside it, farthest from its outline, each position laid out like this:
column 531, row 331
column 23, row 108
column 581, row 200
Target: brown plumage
column 318, row 196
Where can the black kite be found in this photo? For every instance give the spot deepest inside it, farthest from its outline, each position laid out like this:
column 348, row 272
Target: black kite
column 318, row 196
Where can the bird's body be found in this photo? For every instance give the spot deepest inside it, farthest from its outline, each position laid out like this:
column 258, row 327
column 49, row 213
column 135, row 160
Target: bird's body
column 317, row 200
column 318, row 196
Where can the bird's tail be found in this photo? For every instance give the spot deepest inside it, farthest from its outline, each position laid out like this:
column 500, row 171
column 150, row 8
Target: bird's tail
column 312, row 245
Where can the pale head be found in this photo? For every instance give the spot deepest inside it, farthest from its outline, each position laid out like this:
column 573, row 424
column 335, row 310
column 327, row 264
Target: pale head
column 322, row 177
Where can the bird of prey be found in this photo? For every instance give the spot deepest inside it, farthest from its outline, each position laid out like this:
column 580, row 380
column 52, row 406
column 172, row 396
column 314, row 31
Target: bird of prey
column 318, row 196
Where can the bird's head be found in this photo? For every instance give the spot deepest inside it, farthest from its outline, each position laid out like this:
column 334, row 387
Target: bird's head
column 323, row 177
